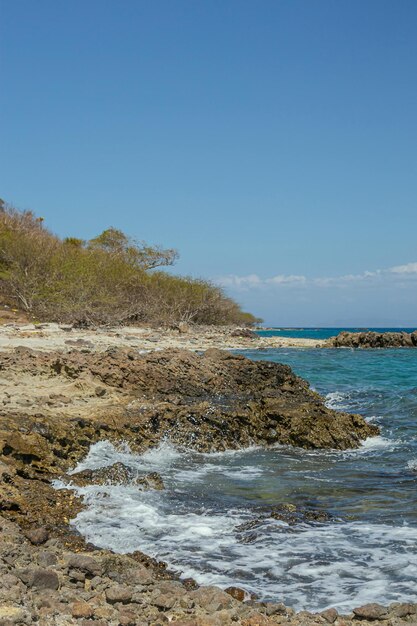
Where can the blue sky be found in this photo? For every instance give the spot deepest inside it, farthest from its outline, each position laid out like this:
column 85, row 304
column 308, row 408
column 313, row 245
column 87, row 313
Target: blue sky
column 273, row 143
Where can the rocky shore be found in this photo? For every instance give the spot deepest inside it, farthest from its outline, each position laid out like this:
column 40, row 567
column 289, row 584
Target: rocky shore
column 48, row 337
column 372, row 339
column 55, row 405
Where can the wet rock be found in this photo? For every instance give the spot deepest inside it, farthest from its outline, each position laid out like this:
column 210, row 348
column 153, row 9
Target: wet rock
column 37, row 536
column 150, row 481
column 118, row 593
column 293, row 514
column 238, row 594
column 372, row 611
column 117, row 474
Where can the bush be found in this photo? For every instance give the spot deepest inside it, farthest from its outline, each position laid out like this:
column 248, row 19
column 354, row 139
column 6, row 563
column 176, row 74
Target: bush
column 110, row 279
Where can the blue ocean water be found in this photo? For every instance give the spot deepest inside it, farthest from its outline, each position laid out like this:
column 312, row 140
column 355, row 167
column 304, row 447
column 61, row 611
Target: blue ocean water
column 198, row 524
column 322, row 333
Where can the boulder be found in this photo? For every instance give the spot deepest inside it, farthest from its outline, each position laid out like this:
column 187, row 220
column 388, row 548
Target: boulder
column 372, row 611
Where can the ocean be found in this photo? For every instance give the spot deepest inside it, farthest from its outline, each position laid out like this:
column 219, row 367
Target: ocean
column 211, row 521
column 323, row 333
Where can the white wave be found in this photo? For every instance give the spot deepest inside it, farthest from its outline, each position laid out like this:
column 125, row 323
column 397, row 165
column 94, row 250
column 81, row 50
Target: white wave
column 412, row 465
column 337, row 564
column 342, row 565
column 336, row 400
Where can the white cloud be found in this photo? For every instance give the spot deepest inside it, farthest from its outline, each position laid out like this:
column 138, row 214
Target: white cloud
column 253, row 281
column 410, row 268
column 281, row 279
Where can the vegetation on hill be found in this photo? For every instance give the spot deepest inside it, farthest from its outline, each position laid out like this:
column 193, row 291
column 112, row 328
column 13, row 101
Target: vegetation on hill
column 110, row 279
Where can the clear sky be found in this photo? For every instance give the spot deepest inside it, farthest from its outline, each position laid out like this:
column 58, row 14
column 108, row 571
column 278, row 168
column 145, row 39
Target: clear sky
column 272, row 142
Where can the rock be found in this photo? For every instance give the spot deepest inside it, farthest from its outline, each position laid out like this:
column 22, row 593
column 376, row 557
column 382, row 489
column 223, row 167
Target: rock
column 118, row 593
column 43, row 579
column 372, row 339
column 46, row 558
column 85, row 563
column 117, row 474
column 238, row 594
column 212, row 599
column 150, row 481
column 244, row 332
column 37, row 536
column 12, row 614
column 371, row 611
column 127, row 619
column 81, row 609
column 330, row 615
column 403, row 609
column 164, row 601
column 271, row 608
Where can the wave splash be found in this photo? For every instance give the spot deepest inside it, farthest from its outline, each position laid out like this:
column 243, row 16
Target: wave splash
column 193, row 527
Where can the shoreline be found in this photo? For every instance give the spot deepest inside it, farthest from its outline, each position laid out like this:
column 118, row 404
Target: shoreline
column 59, row 337
column 50, row 417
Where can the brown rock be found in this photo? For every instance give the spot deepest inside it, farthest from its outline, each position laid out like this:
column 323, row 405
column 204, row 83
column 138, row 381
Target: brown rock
column 212, row 599
column 330, row 615
column 238, row 594
column 164, row 601
column 81, row 609
column 85, row 563
column 37, row 536
column 43, row 579
column 118, row 593
column 371, row 611
column 403, row 609
column 46, row 558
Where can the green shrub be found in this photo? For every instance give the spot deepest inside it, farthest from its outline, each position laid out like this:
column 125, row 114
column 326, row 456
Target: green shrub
column 110, row 279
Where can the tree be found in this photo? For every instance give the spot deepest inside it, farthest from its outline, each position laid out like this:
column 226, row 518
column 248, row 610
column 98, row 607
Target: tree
column 137, row 254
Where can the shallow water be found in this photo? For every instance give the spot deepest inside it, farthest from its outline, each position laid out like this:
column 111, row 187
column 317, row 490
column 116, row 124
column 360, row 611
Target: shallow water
column 367, row 552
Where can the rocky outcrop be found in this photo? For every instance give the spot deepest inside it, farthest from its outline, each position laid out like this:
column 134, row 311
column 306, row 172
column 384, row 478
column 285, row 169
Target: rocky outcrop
column 210, row 401
column 371, row 339
column 117, row 474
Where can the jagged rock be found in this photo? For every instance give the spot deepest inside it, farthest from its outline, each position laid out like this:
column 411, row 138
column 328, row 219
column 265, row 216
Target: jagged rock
column 117, row 474
column 372, row 339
